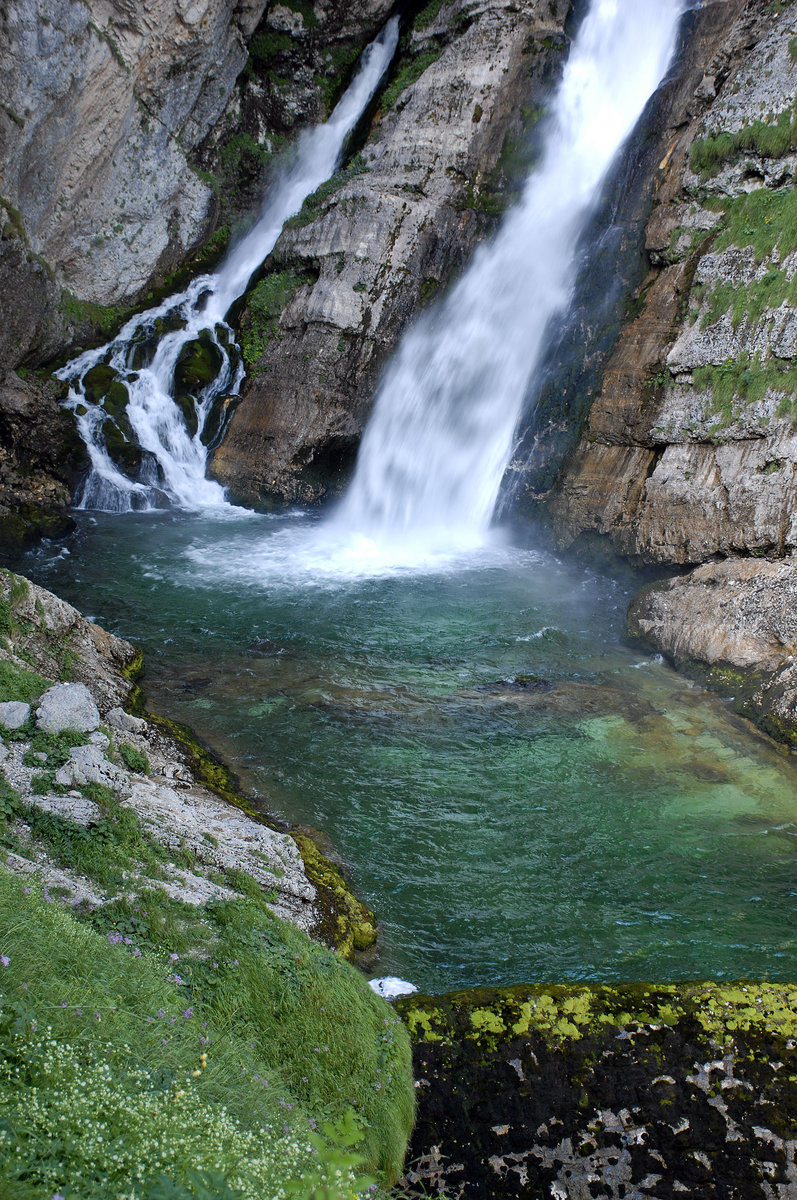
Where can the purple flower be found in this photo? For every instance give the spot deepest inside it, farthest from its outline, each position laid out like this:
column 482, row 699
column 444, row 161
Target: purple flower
column 188, row 1013
column 26, row 891
column 64, row 1004
column 174, row 957
column 161, row 1012
column 4, row 959
column 175, row 978
column 114, row 938
column 136, row 952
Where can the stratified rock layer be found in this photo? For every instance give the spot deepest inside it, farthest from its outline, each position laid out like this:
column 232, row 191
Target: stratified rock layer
column 733, row 624
column 689, row 451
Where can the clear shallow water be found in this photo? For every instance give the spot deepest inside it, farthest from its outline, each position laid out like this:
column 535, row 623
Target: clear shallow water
column 621, row 825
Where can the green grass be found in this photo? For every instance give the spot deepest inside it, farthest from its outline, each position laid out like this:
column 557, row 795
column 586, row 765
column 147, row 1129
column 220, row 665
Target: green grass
column 134, row 759
column 735, row 384
column 408, row 73
column 762, row 219
column 750, row 300
column 269, row 1006
column 771, row 139
column 18, row 683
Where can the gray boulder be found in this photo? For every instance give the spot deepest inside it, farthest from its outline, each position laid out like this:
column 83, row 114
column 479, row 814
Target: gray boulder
column 67, row 706
column 88, row 764
column 14, row 714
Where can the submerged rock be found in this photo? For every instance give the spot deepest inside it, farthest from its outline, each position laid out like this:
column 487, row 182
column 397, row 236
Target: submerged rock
column 733, row 624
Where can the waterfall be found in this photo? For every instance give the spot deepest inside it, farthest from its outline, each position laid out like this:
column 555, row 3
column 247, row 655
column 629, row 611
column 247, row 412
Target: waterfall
column 444, row 421
column 153, row 402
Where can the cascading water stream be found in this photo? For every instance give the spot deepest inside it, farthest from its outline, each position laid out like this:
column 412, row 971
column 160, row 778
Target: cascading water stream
column 148, row 441
column 441, row 435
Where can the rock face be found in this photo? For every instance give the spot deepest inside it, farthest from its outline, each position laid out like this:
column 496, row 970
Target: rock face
column 629, row 1091
column 734, row 624
column 371, row 247
column 689, row 450
column 100, row 104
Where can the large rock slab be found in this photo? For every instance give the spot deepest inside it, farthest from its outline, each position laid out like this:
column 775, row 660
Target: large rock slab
column 365, row 257
column 734, row 625
column 631, row 1091
column 67, row 706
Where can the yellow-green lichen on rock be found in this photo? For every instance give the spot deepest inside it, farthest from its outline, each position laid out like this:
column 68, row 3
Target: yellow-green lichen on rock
column 609, row 1090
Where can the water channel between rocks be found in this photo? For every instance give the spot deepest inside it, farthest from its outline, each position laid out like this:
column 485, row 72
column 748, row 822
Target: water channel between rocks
column 621, row 824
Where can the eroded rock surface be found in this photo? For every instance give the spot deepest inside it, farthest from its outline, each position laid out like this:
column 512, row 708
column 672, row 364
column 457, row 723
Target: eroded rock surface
column 624, row 1092
column 734, row 624
column 690, row 450
column 368, row 251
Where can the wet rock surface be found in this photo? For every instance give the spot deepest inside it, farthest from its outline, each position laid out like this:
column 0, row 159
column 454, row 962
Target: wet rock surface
column 577, row 1092
column 734, row 625
column 689, row 450
column 373, row 246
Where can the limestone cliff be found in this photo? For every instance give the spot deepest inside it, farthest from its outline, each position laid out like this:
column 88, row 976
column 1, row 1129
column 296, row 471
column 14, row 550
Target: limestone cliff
column 129, row 133
column 370, row 248
column 689, row 449
column 689, row 452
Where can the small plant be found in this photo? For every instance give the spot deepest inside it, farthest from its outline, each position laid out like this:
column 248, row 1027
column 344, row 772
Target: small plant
column 134, row 760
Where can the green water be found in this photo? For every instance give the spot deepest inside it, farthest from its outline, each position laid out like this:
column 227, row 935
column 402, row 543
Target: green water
column 621, row 824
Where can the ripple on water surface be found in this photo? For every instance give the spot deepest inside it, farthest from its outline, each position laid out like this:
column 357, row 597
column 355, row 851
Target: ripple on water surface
column 517, row 793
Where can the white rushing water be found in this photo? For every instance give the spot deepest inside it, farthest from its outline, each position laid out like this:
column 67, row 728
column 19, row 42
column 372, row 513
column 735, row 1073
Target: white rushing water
column 442, row 431
column 144, row 355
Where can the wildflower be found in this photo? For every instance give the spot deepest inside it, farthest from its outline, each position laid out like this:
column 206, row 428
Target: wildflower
column 114, row 938
column 26, row 891
column 188, row 1013
column 174, row 957
column 161, row 1012
column 4, row 959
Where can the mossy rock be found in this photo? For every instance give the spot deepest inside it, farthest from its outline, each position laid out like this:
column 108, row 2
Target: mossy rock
column 125, row 453
column 97, row 382
column 199, row 364
column 29, row 523
column 346, row 923
column 546, row 1090
column 217, row 420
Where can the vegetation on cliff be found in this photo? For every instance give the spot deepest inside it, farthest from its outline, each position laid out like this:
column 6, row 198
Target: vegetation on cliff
column 152, row 1044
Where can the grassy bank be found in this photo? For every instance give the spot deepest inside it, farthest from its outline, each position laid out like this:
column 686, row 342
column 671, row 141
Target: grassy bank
column 156, row 1049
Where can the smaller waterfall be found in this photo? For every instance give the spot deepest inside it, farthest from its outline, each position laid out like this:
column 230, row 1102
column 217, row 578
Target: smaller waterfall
column 441, row 434
column 153, row 402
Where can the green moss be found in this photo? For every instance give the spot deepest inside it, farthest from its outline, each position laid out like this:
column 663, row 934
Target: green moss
column 409, row 72
column 104, row 319
column 346, row 923
column 429, row 14
column 566, row 1013
column 265, row 304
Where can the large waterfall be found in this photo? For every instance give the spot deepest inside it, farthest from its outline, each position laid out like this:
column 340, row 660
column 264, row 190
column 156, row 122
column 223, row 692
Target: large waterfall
column 148, row 433
column 441, row 434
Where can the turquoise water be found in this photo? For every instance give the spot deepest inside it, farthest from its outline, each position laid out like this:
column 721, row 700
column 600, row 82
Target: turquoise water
column 604, row 820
